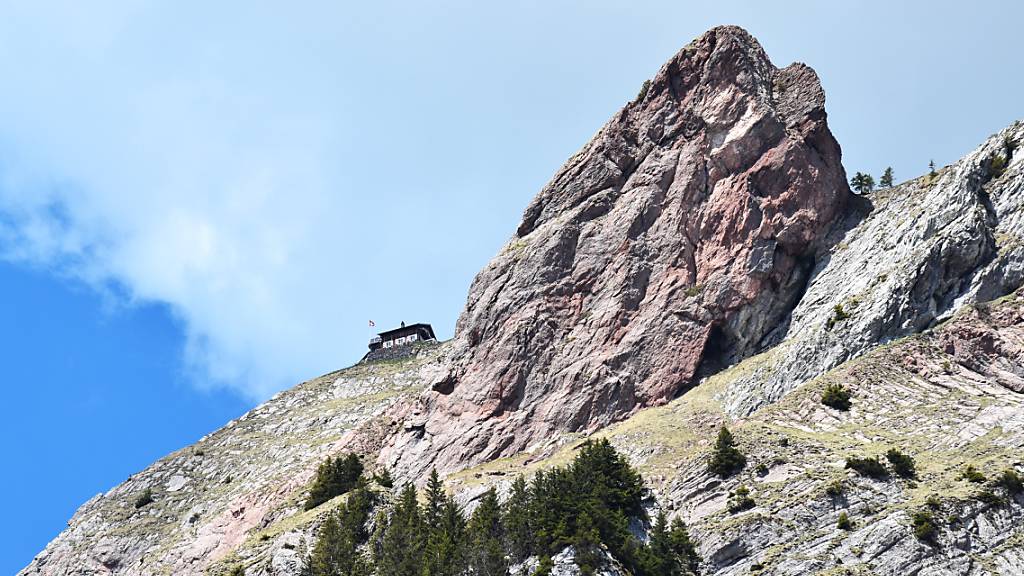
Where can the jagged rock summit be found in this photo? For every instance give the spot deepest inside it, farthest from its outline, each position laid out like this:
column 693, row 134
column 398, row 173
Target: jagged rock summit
column 676, row 242
column 701, row 261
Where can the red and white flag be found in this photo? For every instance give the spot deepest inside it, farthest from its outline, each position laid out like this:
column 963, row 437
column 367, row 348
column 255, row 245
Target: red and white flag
column 372, row 324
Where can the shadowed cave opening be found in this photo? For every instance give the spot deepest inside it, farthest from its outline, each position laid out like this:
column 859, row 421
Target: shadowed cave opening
column 719, row 353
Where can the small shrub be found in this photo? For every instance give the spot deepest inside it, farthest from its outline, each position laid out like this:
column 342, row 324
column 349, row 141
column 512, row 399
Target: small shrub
column 835, row 489
column 838, row 315
column 844, row 522
column 923, row 523
column 836, row 396
column 762, row 469
column 990, row 497
column 933, row 502
column 740, row 500
column 726, row 460
column 144, row 499
column 384, row 479
column 644, row 88
column 1011, row 481
column 997, row 166
column 545, row 566
column 870, row 467
column 902, row 464
column 971, row 474
column 237, row 570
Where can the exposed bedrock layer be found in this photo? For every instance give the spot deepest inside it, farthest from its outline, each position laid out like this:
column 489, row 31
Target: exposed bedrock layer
column 676, row 242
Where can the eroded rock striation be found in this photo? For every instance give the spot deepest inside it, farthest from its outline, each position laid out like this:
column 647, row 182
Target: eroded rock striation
column 927, row 248
column 673, row 244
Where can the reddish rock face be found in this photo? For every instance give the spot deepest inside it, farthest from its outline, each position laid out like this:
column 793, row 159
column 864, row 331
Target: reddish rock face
column 989, row 341
column 673, row 244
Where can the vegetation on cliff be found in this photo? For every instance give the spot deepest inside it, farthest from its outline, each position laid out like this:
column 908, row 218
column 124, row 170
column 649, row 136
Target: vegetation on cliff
column 588, row 505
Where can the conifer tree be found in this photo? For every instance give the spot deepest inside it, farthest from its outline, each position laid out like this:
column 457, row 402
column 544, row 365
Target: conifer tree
column 518, row 526
column 587, row 545
column 660, row 560
column 545, row 510
column 332, row 551
column 354, row 514
column 486, row 553
column 672, row 553
column 401, row 551
column 886, row 180
column 334, row 477
column 434, row 506
column 444, row 554
column 336, row 552
column 726, row 460
column 684, row 549
column 601, row 472
column 862, row 183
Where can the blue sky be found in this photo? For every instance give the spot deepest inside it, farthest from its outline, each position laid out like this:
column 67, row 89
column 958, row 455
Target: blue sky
column 202, row 203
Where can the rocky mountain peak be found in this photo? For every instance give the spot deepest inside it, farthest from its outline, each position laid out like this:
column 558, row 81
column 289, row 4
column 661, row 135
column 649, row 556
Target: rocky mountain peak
column 672, row 245
column 707, row 225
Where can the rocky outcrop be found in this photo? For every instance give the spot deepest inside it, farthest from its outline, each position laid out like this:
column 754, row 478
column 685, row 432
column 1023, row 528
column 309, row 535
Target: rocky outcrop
column 673, row 244
column 947, row 398
column 927, row 248
column 564, row 564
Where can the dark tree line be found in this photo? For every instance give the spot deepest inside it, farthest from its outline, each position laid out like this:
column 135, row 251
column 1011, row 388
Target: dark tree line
column 587, row 504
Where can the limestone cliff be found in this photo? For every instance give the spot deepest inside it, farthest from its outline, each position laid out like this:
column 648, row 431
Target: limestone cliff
column 700, row 261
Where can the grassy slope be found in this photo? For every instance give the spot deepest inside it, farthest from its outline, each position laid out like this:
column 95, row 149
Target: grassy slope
column 910, row 394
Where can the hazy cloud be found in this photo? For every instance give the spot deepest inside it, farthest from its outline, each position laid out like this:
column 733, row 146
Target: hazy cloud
column 212, row 160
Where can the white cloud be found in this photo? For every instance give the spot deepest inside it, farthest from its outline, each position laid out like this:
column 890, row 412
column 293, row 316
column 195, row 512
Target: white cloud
column 278, row 175
column 201, row 213
column 218, row 171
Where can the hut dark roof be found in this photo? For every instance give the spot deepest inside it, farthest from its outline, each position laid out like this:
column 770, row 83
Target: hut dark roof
column 407, row 329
